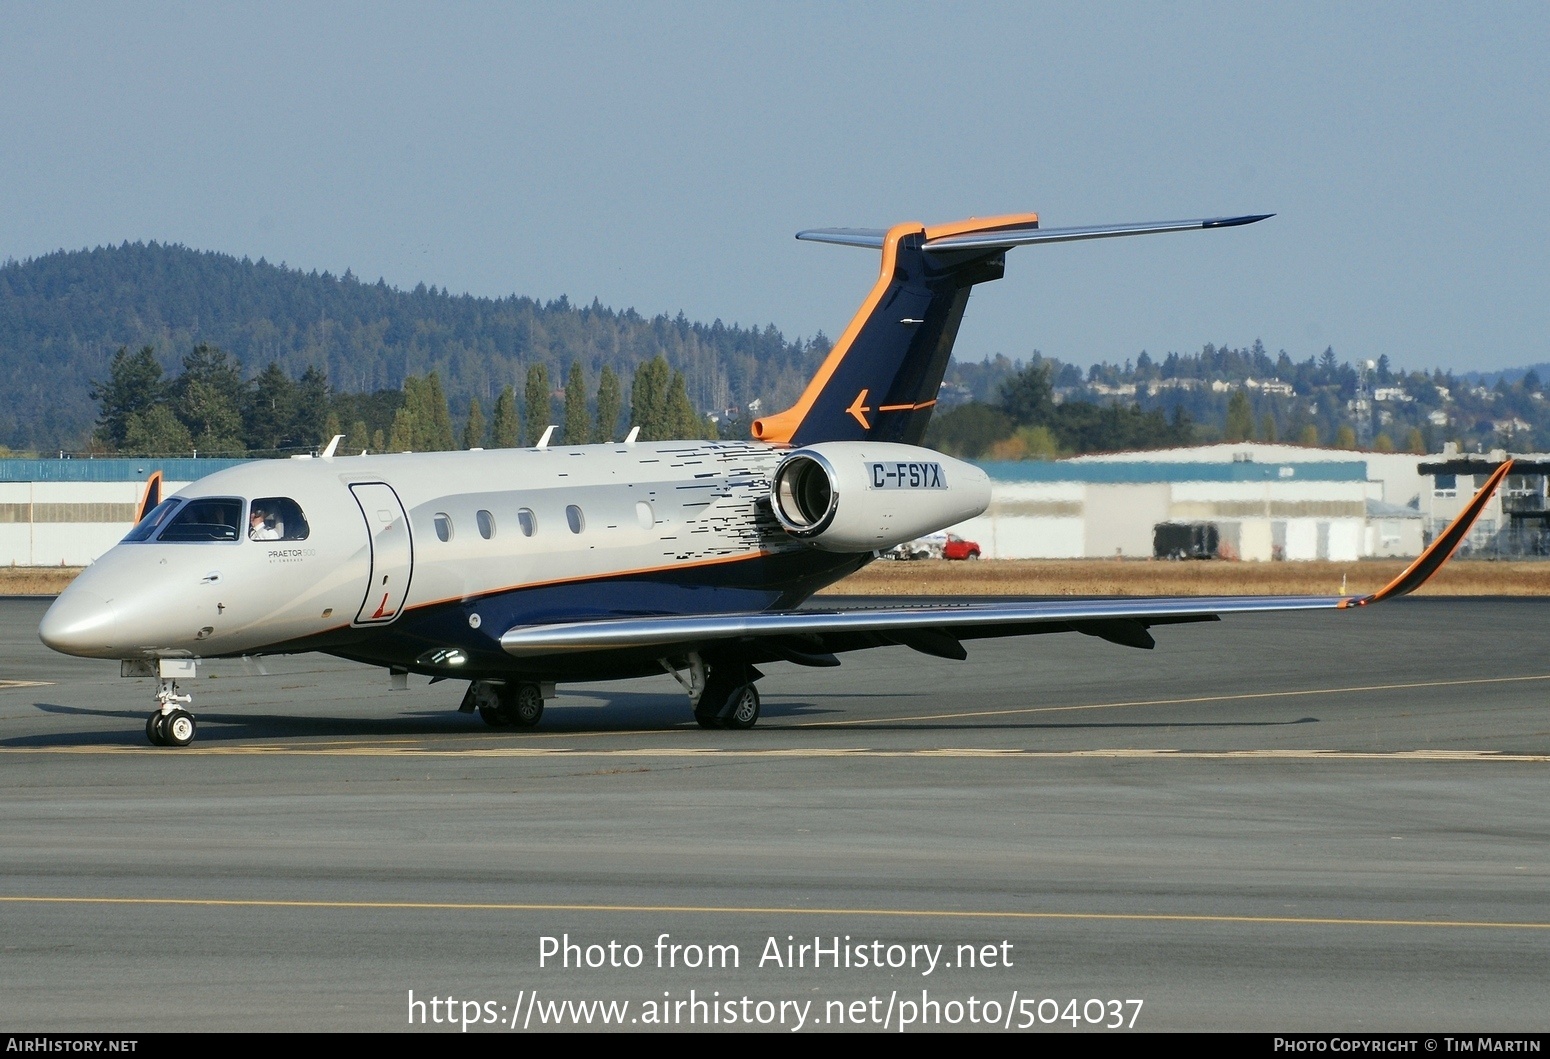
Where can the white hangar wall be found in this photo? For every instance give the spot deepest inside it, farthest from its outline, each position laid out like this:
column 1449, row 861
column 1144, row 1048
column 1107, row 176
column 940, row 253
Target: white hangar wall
column 1105, row 507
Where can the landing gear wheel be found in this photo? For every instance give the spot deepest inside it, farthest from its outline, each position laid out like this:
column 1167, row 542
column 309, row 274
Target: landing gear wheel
column 178, row 728
column 705, row 715
column 153, row 729
column 742, row 708
column 493, row 716
column 525, row 705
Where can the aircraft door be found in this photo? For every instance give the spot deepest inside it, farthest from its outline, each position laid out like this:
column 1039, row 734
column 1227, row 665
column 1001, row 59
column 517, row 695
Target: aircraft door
column 392, row 552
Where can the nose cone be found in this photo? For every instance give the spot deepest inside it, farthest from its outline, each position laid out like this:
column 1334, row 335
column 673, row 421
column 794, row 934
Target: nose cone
column 80, row 623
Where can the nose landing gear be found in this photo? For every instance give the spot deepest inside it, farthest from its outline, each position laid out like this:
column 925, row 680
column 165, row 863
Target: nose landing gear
column 170, row 724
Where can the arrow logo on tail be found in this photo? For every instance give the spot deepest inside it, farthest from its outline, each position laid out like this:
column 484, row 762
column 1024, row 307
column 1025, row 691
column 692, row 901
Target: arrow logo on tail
column 859, row 409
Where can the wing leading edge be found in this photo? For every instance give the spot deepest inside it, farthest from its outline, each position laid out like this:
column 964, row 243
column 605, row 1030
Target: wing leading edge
column 812, row 636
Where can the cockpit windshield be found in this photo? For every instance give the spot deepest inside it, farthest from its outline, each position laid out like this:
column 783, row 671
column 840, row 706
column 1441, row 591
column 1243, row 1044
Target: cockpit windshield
column 146, row 528
column 205, row 519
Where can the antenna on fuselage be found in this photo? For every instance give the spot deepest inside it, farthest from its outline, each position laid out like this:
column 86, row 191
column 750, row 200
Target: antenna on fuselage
column 328, row 453
column 543, row 442
column 629, row 439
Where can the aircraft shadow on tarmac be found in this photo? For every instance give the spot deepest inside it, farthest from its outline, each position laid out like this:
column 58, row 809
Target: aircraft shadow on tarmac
column 623, row 713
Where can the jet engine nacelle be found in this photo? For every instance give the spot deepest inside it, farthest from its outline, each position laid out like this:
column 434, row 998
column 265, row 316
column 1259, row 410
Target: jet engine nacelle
column 861, row 496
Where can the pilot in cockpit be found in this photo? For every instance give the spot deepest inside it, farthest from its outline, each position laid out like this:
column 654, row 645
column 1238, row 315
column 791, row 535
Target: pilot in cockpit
column 263, row 525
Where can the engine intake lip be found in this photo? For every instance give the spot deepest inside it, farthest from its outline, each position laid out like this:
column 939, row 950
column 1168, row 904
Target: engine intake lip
column 803, row 494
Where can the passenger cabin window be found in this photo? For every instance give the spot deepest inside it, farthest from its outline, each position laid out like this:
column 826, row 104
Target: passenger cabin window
column 443, row 523
column 577, row 520
column 205, row 519
column 526, row 520
column 146, row 528
column 277, row 518
column 486, row 523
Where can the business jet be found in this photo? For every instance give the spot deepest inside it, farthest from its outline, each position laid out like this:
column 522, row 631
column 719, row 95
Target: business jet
column 521, row 569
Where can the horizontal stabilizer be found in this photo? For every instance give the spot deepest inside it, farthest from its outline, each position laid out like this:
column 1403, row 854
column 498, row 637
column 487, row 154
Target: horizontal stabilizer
column 867, row 237
column 1009, row 237
column 1022, row 235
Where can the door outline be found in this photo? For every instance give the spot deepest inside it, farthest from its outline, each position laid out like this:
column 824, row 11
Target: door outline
column 381, row 492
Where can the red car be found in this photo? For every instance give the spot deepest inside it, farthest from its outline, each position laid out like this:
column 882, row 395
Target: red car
column 958, row 548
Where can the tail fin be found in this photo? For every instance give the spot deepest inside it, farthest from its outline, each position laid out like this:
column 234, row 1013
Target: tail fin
column 880, row 380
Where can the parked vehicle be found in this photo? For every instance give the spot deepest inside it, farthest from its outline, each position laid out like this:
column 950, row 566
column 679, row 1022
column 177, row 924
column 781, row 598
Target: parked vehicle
column 958, row 548
column 1186, row 540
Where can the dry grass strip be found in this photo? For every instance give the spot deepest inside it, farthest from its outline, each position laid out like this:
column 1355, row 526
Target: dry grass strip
column 35, row 580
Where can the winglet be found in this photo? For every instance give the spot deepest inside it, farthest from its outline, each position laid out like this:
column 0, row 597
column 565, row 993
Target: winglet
column 151, row 497
column 1419, row 572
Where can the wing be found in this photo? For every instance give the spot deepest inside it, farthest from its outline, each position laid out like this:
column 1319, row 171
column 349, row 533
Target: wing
column 812, row 637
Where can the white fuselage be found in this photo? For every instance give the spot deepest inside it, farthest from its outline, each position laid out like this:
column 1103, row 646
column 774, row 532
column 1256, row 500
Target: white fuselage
column 400, row 559
column 635, row 507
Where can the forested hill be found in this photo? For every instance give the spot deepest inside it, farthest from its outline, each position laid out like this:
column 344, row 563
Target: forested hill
column 63, row 315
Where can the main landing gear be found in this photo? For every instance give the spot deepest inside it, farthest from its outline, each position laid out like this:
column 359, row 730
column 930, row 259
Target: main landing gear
column 514, row 705
column 723, row 695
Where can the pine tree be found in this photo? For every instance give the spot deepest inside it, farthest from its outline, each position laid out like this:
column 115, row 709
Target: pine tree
column 505, row 431
column 406, row 428
column 576, row 424
column 269, row 415
column 208, row 398
column 157, row 432
column 648, row 400
column 1240, row 417
column 309, row 424
column 134, row 386
column 473, row 430
column 682, row 420
column 1309, row 436
column 539, row 413
column 609, row 401
column 435, row 418
column 1267, row 428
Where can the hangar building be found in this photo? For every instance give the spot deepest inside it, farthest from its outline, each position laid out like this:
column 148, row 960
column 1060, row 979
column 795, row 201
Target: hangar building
column 1262, row 502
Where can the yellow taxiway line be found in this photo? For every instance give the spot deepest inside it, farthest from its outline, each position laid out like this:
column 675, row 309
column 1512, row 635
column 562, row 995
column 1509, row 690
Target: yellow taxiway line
column 774, row 910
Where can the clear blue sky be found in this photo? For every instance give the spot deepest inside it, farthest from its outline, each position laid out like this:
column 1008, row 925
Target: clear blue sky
column 661, row 156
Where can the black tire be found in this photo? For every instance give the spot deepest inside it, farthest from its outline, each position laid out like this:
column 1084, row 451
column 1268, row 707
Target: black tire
column 525, row 706
column 741, row 709
column 179, row 728
column 153, row 729
column 494, row 716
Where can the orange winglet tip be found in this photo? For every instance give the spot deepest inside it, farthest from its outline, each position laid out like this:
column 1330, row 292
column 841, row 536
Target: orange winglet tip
column 1432, row 559
column 151, row 496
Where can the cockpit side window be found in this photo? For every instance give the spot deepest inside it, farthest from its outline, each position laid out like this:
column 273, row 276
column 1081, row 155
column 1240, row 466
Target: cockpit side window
column 205, row 519
column 146, row 528
column 276, row 518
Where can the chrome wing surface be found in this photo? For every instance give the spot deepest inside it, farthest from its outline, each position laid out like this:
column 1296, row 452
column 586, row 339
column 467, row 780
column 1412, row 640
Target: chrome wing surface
column 813, row 636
